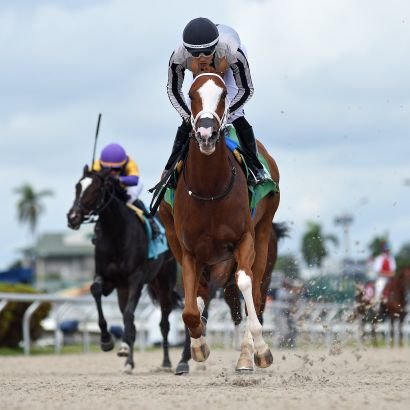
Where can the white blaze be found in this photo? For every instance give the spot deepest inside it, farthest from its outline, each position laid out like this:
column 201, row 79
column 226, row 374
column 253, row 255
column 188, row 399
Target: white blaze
column 210, row 94
column 85, row 183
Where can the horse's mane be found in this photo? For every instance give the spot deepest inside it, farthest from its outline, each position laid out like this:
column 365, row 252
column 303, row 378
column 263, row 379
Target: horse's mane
column 119, row 191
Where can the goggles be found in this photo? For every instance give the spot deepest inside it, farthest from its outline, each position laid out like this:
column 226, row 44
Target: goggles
column 205, row 52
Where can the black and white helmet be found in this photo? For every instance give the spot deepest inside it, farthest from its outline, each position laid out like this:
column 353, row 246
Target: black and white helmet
column 200, row 36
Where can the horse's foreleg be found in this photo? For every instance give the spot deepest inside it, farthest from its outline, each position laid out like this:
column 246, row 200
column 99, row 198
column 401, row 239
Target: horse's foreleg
column 245, row 256
column 193, row 309
column 106, row 341
column 401, row 320
column 128, row 340
column 246, row 358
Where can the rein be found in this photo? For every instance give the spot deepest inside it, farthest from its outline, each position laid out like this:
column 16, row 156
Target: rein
column 93, row 215
column 216, row 197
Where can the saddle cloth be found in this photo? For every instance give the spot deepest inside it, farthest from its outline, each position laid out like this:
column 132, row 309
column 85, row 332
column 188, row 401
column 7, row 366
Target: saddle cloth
column 159, row 244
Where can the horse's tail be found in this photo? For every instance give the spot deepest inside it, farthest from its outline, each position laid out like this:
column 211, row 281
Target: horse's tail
column 176, row 300
column 281, row 229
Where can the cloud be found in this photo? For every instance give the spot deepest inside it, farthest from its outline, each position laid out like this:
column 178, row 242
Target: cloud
column 331, row 101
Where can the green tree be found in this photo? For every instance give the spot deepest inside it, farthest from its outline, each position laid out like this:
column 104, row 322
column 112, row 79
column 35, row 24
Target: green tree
column 403, row 256
column 314, row 248
column 30, row 206
column 375, row 246
column 288, row 264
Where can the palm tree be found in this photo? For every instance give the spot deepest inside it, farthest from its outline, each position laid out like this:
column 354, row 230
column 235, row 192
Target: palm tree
column 375, row 246
column 403, row 256
column 29, row 205
column 314, row 244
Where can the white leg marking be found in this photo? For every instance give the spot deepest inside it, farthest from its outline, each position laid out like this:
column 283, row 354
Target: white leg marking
column 201, row 340
column 201, row 304
column 198, row 342
column 245, row 286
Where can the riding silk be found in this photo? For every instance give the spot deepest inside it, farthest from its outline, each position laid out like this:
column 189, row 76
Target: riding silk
column 229, row 51
column 256, row 193
column 384, row 265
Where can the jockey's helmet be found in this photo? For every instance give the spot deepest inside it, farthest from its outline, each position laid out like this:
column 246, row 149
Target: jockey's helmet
column 113, row 156
column 200, row 36
column 385, row 246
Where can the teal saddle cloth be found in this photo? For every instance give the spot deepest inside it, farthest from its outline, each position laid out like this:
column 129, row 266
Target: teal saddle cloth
column 159, row 244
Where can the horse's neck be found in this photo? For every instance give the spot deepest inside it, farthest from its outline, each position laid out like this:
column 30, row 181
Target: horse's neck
column 114, row 217
column 206, row 173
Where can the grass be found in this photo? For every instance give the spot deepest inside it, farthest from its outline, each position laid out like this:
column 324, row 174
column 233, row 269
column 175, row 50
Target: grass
column 67, row 349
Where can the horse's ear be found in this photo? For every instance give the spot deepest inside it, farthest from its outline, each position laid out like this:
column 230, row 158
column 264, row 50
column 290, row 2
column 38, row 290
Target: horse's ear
column 86, row 170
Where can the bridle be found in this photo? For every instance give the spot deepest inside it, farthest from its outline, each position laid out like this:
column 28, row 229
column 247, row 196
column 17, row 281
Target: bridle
column 221, row 120
column 91, row 216
column 221, row 125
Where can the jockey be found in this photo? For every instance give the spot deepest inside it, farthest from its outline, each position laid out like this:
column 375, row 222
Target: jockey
column 384, row 265
column 123, row 167
column 201, row 37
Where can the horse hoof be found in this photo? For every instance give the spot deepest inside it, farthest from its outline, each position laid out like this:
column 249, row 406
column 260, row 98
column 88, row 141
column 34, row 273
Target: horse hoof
column 107, row 346
column 166, row 364
column 245, row 364
column 127, row 369
column 124, row 350
column 264, row 359
column 182, row 368
column 200, row 353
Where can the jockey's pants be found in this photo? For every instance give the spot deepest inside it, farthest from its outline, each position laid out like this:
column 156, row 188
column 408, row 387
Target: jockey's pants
column 134, row 191
column 379, row 286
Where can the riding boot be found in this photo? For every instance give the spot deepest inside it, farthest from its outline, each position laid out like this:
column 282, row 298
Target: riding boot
column 248, row 144
column 153, row 223
column 181, row 138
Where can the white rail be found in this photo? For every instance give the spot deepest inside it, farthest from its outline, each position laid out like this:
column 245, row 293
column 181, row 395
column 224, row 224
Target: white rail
column 314, row 321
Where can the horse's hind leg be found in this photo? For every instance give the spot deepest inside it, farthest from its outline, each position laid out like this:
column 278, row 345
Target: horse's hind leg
column 96, row 290
column 165, row 296
column 232, row 298
column 183, row 366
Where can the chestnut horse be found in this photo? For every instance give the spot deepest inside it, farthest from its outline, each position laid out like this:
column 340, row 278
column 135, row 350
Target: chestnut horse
column 393, row 308
column 211, row 231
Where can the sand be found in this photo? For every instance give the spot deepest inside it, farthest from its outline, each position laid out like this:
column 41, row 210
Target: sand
column 338, row 378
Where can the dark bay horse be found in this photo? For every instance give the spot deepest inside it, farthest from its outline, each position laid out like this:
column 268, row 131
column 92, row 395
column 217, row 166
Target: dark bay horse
column 393, row 307
column 121, row 259
column 211, row 231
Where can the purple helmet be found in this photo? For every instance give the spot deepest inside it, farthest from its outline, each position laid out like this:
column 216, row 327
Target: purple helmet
column 113, row 156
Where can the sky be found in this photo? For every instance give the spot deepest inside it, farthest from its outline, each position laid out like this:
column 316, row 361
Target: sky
column 331, row 104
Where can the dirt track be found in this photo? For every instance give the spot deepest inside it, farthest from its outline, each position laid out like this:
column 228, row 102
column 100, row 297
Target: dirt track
column 317, row 379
